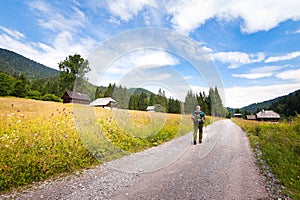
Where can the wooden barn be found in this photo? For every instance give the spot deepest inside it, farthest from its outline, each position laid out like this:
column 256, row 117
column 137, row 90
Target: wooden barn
column 268, row 115
column 75, row 97
column 107, row 102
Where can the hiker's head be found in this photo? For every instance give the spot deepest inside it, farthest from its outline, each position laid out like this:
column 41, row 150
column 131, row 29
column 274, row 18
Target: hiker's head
column 198, row 107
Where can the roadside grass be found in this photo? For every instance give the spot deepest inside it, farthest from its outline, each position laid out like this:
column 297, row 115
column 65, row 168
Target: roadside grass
column 39, row 140
column 280, row 147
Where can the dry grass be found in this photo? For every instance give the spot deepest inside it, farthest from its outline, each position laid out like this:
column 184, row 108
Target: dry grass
column 42, row 139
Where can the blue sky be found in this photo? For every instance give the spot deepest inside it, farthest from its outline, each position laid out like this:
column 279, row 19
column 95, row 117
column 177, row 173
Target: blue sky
column 253, row 45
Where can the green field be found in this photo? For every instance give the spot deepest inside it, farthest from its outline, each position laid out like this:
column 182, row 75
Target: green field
column 280, row 147
column 40, row 139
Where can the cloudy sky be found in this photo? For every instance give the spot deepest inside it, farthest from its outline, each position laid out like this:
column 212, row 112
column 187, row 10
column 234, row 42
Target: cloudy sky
column 252, row 46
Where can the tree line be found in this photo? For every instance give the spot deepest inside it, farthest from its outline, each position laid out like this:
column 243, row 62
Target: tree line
column 140, row 99
column 75, row 67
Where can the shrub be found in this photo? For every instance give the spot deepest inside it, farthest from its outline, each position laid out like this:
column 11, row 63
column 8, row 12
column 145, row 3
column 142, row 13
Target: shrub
column 51, row 97
column 33, row 94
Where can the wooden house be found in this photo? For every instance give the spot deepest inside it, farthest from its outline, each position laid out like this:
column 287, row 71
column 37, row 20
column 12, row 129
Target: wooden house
column 267, row 115
column 107, row 102
column 75, row 97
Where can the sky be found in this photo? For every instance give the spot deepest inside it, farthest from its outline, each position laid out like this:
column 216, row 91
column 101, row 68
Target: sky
column 248, row 49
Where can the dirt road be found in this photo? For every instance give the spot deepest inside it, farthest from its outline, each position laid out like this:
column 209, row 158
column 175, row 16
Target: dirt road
column 222, row 167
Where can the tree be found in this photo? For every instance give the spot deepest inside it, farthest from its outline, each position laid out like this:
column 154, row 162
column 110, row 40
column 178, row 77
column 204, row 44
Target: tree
column 152, row 99
column 190, row 102
column 133, row 102
column 6, row 84
column 143, row 101
column 174, row 106
column 161, row 99
column 21, row 86
column 217, row 108
column 109, row 90
column 71, row 69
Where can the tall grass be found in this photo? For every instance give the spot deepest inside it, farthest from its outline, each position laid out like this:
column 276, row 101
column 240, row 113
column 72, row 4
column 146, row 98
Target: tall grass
column 280, row 147
column 39, row 139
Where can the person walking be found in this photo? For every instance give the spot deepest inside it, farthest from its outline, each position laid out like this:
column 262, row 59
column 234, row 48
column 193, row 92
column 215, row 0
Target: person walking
column 198, row 117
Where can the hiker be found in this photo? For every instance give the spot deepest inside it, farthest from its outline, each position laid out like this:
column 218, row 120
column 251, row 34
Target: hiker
column 198, row 116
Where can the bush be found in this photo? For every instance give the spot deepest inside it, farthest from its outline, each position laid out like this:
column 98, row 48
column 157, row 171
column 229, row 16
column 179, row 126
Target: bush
column 51, row 97
column 33, row 94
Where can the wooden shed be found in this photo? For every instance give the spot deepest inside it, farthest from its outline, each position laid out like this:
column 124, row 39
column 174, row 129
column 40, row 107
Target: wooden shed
column 107, row 102
column 75, row 97
column 267, row 115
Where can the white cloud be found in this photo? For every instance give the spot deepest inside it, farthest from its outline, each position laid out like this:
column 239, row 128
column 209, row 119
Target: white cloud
column 256, row 15
column 57, row 19
column 126, row 10
column 260, row 72
column 142, row 58
column 49, row 55
column 253, row 75
column 288, row 56
column 237, row 97
column 188, row 77
column 161, row 77
column 268, row 69
column 235, row 59
column 290, row 75
column 13, row 33
column 62, row 27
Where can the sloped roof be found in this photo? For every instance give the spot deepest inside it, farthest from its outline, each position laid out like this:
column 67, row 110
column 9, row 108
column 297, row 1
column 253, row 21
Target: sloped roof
column 77, row 95
column 267, row 114
column 150, row 108
column 102, row 101
column 251, row 117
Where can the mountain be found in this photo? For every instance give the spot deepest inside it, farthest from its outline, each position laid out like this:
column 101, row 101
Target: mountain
column 13, row 63
column 259, row 106
column 139, row 91
column 288, row 105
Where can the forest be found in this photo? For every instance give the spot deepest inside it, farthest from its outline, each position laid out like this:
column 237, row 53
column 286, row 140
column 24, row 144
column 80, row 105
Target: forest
column 287, row 106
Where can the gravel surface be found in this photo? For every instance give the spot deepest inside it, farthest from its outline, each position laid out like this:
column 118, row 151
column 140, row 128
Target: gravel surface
column 222, row 167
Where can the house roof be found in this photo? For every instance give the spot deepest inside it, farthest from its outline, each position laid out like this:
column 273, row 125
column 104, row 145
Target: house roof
column 102, row 101
column 77, row 95
column 251, row 117
column 150, row 108
column 237, row 115
column 267, row 114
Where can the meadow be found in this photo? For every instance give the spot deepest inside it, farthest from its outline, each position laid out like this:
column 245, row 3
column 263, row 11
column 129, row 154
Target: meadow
column 39, row 140
column 278, row 144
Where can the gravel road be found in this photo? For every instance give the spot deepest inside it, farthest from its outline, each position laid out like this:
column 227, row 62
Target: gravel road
column 222, row 167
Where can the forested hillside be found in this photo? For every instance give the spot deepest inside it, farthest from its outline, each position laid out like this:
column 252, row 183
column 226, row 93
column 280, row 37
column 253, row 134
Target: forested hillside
column 288, row 105
column 13, row 63
column 253, row 108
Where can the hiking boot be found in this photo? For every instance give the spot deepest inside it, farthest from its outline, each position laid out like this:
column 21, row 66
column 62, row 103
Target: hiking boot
column 195, row 142
column 200, row 141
